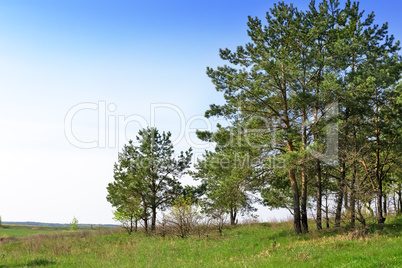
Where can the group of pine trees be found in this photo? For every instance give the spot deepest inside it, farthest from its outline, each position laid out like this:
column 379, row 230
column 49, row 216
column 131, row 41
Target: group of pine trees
column 313, row 105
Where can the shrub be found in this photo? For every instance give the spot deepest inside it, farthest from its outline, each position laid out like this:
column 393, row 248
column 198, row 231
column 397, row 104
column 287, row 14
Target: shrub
column 74, row 224
column 218, row 219
column 183, row 218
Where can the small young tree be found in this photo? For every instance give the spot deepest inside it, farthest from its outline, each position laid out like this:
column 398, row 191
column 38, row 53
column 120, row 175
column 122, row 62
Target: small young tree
column 126, row 221
column 128, row 216
column 74, row 224
column 183, row 217
column 218, row 219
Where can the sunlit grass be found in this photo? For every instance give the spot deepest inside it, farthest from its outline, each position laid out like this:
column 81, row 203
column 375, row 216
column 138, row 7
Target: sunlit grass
column 255, row 245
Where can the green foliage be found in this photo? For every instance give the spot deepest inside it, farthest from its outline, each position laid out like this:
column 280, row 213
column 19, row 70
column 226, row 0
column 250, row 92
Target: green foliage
column 226, row 174
column 281, row 84
column 146, row 176
column 184, row 216
column 129, row 216
column 74, row 224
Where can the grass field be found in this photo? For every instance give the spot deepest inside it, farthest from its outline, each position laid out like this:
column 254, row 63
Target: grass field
column 254, row 245
column 24, row 230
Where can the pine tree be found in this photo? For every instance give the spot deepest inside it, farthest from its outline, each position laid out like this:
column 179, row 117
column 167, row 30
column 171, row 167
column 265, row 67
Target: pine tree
column 147, row 174
column 289, row 74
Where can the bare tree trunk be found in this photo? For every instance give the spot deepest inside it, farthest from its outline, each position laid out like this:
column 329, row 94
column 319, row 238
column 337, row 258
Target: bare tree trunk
column 304, row 201
column 296, row 204
column 318, row 165
column 380, row 217
column 360, row 217
column 326, row 201
column 339, row 200
column 395, row 207
column 146, row 225
column 153, row 222
column 326, row 209
column 353, row 197
column 131, row 224
column 346, row 197
column 304, row 177
column 400, row 200
column 342, row 179
column 145, row 219
column 145, row 214
column 353, row 186
column 319, row 195
column 153, row 201
column 232, row 216
column 385, row 211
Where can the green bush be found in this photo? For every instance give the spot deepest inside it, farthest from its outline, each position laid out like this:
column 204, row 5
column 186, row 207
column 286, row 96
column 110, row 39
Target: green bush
column 74, row 224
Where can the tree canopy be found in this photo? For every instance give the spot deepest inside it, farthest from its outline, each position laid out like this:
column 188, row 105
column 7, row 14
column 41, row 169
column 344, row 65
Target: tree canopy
column 287, row 78
column 313, row 104
column 146, row 175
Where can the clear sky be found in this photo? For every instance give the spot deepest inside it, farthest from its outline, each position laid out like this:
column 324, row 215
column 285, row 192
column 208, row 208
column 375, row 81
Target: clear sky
column 78, row 78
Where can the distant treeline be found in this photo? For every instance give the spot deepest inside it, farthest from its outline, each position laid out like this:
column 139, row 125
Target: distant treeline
column 32, row 223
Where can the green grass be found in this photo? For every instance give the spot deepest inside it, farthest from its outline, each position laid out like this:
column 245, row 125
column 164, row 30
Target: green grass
column 243, row 246
column 25, row 230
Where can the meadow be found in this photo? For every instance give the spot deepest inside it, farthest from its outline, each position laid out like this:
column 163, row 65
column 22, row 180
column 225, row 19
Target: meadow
column 246, row 245
column 24, row 230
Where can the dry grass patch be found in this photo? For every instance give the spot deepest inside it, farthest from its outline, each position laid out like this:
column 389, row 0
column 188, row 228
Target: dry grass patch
column 303, row 256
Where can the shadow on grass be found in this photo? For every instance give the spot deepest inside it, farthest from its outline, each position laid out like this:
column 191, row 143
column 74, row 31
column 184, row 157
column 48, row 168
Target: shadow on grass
column 392, row 227
column 32, row 263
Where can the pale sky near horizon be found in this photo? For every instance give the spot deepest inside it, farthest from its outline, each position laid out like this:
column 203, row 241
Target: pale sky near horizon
column 71, row 70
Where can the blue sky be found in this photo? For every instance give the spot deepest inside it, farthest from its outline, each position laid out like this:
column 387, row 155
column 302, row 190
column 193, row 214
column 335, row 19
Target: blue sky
column 55, row 55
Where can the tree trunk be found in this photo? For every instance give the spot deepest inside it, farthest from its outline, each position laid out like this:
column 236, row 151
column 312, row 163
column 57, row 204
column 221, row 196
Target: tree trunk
column 145, row 214
column 145, row 219
column 353, row 186
column 296, row 204
column 153, row 223
column 342, row 179
column 318, row 163
column 353, row 197
column 360, row 217
column 380, row 217
column 153, row 200
column 319, row 195
column 131, row 224
column 232, row 217
column 346, row 197
column 400, row 200
column 395, row 207
column 304, row 176
column 146, row 225
column 326, row 209
column 339, row 200
column 304, row 201
column 385, row 211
